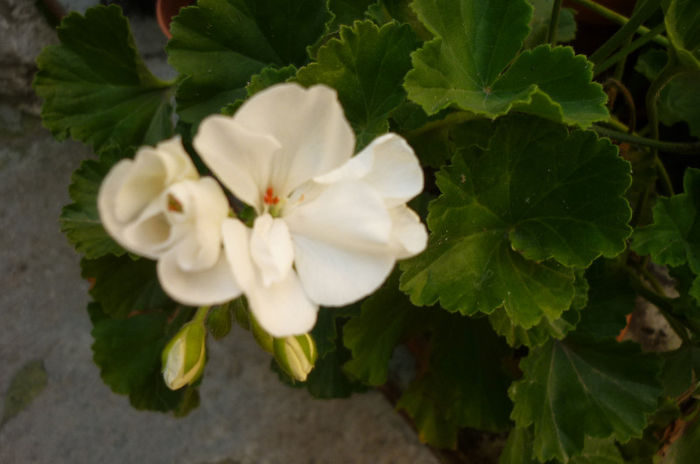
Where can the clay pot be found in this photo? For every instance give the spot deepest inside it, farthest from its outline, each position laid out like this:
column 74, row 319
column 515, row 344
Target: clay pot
column 166, row 9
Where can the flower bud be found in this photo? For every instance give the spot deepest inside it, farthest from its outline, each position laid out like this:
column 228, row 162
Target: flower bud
column 296, row 355
column 184, row 356
column 264, row 339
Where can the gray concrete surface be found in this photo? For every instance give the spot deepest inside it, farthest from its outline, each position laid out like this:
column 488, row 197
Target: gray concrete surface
column 246, row 415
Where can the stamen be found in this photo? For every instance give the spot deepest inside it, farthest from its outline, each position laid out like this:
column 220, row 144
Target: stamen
column 174, row 204
column 270, row 197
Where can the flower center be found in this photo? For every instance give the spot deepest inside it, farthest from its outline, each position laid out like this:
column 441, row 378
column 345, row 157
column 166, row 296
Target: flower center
column 270, row 197
column 273, row 205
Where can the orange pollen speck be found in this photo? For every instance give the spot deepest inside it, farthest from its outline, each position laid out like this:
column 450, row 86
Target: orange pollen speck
column 270, row 198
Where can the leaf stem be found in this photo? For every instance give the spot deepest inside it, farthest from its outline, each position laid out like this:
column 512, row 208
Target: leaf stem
column 451, row 119
column 617, row 18
column 554, row 22
column 627, row 49
column 691, row 148
column 643, row 10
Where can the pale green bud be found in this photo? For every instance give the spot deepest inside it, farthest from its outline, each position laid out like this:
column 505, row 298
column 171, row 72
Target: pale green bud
column 296, row 355
column 185, row 354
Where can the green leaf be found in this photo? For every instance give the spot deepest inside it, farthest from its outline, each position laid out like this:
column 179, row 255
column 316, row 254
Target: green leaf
column 386, row 317
column 366, row 65
column 468, row 65
column 674, row 237
column 328, row 380
column 26, row 384
column 466, row 384
column 679, row 99
column 80, row 220
column 97, row 89
column 384, row 11
column 506, row 215
column 539, row 23
column 219, row 320
column 128, row 353
column 347, row 11
column 683, row 28
column 123, row 284
column 681, row 369
column 576, row 387
column 269, row 76
column 220, row 44
column 432, row 427
column 610, row 300
column 518, row 449
column 598, row 451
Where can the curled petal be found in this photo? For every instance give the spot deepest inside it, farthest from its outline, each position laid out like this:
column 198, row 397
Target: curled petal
column 215, row 285
column 131, row 196
column 281, row 308
column 408, row 234
column 200, row 208
column 309, row 125
column 152, row 171
column 271, row 248
column 241, row 158
column 388, row 165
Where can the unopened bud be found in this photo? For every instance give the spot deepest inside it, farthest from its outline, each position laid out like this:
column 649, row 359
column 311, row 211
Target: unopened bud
column 264, row 339
column 296, row 355
column 184, row 356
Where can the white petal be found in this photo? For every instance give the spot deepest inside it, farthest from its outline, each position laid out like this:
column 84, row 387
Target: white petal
column 349, row 214
column 271, row 248
column 151, row 234
column 335, row 276
column 388, row 164
column 310, row 126
column 214, row 285
column 152, row 171
column 241, row 158
column 236, row 238
column 282, row 309
column 408, row 234
column 341, row 238
column 204, row 207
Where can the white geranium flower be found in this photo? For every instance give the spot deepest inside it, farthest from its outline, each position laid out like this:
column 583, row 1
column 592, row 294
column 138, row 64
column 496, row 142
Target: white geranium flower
column 329, row 227
column 157, row 206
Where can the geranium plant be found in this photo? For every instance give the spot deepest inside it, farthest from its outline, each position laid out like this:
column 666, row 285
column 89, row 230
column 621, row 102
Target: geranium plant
column 529, row 193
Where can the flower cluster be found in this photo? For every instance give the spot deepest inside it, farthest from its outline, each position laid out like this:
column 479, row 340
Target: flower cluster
column 329, row 226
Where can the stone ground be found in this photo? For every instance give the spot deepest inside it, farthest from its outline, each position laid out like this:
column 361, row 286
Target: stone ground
column 246, row 415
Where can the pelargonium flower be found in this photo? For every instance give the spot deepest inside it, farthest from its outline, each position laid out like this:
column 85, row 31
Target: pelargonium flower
column 329, row 227
column 157, row 206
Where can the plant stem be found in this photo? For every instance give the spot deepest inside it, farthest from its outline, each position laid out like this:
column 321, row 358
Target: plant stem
column 629, row 99
column 617, row 18
column 626, row 50
column 643, row 11
column 691, row 148
column 554, row 22
column 451, row 119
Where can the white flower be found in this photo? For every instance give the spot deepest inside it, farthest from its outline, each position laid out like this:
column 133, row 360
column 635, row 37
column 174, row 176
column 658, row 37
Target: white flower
column 329, row 227
column 157, row 206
